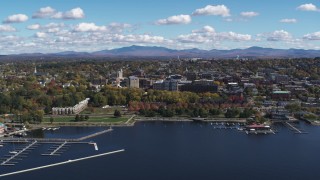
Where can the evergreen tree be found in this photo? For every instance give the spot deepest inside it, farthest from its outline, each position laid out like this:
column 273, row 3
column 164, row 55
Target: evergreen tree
column 117, row 113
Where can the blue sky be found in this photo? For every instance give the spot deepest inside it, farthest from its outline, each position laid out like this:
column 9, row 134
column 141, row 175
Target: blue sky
column 83, row 25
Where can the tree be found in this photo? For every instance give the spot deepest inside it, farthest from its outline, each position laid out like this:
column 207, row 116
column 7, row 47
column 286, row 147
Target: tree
column 214, row 112
column 77, row 118
column 82, row 117
column 203, row 113
column 167, row 113
column 38, row 116
column 295, row 107
column 150, row 113
column 86, row 117
column 246, row 113
column 231, row 113
column 51, row 120
column 117, row 113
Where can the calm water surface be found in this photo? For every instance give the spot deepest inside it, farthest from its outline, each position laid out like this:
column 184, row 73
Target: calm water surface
column 163, row 151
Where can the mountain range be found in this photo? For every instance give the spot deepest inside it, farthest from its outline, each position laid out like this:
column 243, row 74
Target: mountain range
column 155, row 51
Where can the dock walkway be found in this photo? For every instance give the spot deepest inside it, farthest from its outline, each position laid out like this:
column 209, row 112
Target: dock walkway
column 55, row 140
column 293, row 128
column 56, row 150
column 7, row 161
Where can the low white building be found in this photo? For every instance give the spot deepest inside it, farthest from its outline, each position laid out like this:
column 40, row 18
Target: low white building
column 71, row 110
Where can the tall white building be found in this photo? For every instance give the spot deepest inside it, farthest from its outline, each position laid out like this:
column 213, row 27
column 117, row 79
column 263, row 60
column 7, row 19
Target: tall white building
column 120, row 74
column 133, row 82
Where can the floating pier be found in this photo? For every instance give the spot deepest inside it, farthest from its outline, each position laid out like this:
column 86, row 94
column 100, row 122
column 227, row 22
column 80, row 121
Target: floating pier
column 9, row 162
column 59, row 146
column 61, row 163
column 95, row 134
column 261, row 132
column 295, row 129
column 56, row 140
column 95, row 146
column 57, row 150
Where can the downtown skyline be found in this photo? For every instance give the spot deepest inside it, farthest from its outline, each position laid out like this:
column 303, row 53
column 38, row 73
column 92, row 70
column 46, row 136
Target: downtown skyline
column 78, row 25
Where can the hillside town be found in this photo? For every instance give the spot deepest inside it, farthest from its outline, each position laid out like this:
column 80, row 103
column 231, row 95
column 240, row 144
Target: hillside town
column 258, row 90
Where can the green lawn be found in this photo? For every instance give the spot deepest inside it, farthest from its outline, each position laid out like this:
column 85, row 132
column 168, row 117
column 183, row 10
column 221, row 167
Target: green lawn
column 60, row 119
column 94, row 110
column 91, row 119
column 108, row 119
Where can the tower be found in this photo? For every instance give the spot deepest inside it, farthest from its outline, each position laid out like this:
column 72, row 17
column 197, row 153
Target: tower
column 120, row 74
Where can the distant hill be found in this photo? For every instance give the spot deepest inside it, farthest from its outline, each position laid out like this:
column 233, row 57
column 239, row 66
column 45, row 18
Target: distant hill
column 155, row 51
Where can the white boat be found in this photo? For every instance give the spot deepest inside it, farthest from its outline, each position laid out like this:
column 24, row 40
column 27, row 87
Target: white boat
column 240, row 129
column 13, row 152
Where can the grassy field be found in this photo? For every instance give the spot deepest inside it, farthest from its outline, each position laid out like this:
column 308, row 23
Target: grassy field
column 108, row 119
column 96, row 111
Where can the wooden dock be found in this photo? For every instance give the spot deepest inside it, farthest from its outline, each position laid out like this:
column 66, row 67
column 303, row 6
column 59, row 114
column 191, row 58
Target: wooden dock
column 8, row 162
column 93, row 135
column 61, row 163
column 261, row 132
column 54, row 140
column 295, row 129
column 56, row 150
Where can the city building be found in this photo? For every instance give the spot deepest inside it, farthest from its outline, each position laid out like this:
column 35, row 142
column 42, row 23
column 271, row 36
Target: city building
column 71, row 110
column 120, row 74
column 281, row 95
column 199, row 88
column 132, row 82
column 145, row 83
column 3, row 128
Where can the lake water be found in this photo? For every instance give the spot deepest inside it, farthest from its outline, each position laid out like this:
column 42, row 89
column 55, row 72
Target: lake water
column 184, row 150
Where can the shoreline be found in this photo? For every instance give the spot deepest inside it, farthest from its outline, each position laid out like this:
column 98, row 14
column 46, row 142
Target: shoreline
column 132, row 120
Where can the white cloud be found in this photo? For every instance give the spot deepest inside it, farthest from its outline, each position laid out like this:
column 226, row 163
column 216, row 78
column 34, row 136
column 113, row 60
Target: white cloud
column 44, row 12
column 53, row 25
column 218, row 10
column 7, row 28
column 205, row 29
column 279, row 35
column 208, row 35
column 76, row 13
column 288, row 20
column 40, row 35
column 308, row 7
column 178, row 19
column 119, row 27
column 234, row 36
column 312, row 36
column 49, row 28
column 16, row 18
column 34, row 27
column 133, row 38
column 9, row 38
column 89, row 27
column 53, row 30
column 249, row 14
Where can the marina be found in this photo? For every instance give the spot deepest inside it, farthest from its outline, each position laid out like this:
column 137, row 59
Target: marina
column 295, row 129
column 142, row 143
column 57, row 146
column 57, row 149
column 61, row 163
column 16, row 154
